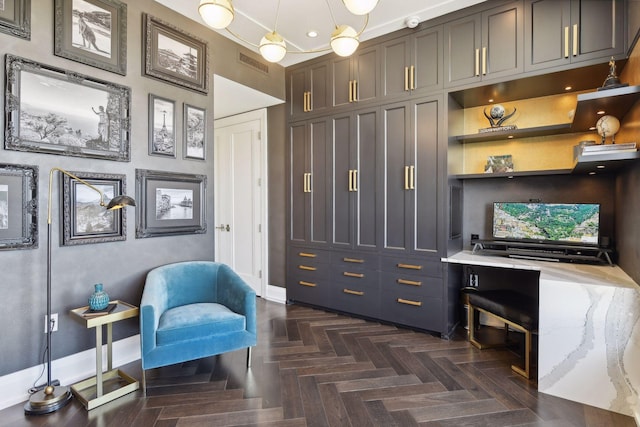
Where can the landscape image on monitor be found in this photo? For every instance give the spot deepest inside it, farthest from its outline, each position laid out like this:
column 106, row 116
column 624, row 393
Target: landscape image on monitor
column 549, row 222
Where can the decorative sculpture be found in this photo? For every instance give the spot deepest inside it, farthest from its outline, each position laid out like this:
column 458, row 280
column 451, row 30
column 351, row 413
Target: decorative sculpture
column 612, row 80
column 497, row 116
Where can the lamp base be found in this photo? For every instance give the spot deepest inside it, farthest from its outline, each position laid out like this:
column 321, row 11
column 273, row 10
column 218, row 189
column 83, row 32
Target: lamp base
column 48, row 400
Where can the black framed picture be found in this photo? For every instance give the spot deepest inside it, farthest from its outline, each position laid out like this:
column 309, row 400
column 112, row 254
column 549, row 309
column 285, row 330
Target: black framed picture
column 93, row 32
column 84, row 221
column 172, row 55
column 194, row 138
column 18, row 207
column 15, row 18
column 162, row 126
column 170, row 203
column 54, row 111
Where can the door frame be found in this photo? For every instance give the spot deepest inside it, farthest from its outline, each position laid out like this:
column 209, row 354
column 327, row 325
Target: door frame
column 261, row 116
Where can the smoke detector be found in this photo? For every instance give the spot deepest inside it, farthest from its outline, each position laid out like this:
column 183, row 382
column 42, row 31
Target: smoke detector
column 412, row 21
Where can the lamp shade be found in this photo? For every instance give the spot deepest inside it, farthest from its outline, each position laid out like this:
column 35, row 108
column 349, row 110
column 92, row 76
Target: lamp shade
column 344, row 40
column 360, row 7
column 272, row 47
column 120, row 202
column 216, row 13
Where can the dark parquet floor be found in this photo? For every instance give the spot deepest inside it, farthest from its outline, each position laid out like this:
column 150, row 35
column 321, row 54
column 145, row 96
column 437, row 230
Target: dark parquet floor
column 314, row 368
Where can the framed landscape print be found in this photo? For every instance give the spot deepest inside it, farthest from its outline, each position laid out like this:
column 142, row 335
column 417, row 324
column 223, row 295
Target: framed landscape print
column 18, row 207
column 15, row 18
column 93, row 32
column 84, row 221
column 162, row 126
column 50, row 110
column 169, row 203
column 195, row 126
column 172, row 55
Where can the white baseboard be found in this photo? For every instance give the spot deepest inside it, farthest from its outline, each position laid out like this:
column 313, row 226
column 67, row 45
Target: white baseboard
column 276, row 294
column 68, row 370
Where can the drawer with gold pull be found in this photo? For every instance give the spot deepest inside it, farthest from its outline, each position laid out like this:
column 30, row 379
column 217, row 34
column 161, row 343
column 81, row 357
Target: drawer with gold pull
column 361, row 300
column 355, row 260
column 420, row 285
column 308, row 256
column 412, row 266
column 412, row 310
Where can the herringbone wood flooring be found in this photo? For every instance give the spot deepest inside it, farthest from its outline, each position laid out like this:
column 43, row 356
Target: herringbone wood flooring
column 313, row 368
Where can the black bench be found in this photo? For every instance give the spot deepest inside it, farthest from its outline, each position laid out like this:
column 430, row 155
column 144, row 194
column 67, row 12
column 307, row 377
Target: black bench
column 514, row 309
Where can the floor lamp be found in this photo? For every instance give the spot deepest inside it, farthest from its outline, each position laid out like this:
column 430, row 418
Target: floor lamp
column 50, row 398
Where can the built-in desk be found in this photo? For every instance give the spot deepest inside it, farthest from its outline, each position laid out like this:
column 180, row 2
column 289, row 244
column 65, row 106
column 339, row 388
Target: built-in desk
column 589, row 331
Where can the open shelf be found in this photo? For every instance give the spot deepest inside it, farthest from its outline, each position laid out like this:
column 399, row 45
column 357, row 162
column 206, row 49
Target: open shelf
column 604, row 163
column 515, row 133
column 512, row 174
column 615, row 102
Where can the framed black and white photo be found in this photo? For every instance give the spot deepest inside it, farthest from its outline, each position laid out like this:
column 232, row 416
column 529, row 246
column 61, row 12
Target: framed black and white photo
column 54, row 111
column 84, row 220
column 162, row 126
column 172, row 55
column 170, row 203
column 15, row 18
column 93, row 32
column 194, row 139
column 18, row 207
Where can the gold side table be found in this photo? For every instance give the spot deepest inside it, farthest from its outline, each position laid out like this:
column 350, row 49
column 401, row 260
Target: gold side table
column 104, row 386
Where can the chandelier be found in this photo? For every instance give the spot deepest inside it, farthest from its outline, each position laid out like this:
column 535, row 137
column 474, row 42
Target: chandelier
column 344, row 40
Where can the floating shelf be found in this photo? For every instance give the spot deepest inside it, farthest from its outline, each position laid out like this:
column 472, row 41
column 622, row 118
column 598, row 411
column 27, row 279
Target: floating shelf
column 516, row 133
column 604, row 163
column 615, row 102
column 512, row 174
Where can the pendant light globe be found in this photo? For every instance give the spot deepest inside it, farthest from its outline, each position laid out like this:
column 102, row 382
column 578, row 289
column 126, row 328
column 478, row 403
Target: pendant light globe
column 344, row 40
column 217, row 14
column 272, row 47
column 360, row 7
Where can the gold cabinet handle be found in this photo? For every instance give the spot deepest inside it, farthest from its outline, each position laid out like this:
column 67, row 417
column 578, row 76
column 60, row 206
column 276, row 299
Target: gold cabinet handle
column 304, row 102
column 350, row 90
column 356, row 275
column 411, row 177
column 575, row 39
column 304, row 182
column 355, row 180
column 355, row 90
column 308, row 182
column 413, row 77
column 566, row 42
column 409, row 266
column 406, row 78
column 484, row 60
column 307, row 255
column 409, row 302
column 408, row 282
column 353, row 260
column 307, row 268
column 350, row 292
column 309, row 105
column 477, row 62
column 350, row 179
column 308, row 284
column 406, row 177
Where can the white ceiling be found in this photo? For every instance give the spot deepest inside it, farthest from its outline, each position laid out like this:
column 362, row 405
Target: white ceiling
column 254, row 18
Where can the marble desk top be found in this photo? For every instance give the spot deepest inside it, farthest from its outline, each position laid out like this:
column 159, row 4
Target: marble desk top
column 584, row 274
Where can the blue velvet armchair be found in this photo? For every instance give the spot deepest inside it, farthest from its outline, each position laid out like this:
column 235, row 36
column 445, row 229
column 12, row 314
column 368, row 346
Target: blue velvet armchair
column 194, row 309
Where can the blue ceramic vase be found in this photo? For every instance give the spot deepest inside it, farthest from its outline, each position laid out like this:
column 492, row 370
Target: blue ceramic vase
column 99, row 300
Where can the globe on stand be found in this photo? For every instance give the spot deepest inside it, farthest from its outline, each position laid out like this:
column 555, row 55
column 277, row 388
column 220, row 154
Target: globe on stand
column 608, row 126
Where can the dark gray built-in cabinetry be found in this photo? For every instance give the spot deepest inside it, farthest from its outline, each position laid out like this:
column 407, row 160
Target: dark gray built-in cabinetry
column 371, row 206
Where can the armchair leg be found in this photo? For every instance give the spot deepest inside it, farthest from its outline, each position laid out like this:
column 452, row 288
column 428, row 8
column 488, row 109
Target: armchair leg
column 144, row 383
column 249, row 357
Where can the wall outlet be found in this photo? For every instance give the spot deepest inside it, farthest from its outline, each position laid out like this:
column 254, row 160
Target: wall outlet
column 53, row 325
column 473, row 280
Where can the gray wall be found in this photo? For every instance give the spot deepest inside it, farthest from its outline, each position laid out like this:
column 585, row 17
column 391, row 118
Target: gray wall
column 120, row 266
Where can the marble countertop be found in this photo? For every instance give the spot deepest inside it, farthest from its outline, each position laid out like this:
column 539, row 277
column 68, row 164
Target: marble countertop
column 599, row 275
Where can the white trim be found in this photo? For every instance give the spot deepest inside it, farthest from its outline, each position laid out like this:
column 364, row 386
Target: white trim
column 68, row 370
column 276, row 294
column 260, row 115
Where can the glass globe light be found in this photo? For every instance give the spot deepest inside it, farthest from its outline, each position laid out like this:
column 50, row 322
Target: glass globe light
column 360, row 7
column 272, row 47
column 344, row 40
column 216, row 13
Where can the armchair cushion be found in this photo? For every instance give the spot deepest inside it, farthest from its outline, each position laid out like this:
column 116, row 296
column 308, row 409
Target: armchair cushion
column 197, row 320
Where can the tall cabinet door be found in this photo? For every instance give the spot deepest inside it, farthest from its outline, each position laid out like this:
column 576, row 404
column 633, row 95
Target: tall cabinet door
column 427, row 118
column 355, row 160
column 310, row 190
column 411, row 176
column 599, row 26
column 547, row 26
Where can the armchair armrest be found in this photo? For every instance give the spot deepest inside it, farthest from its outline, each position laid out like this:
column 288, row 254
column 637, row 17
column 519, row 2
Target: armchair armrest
column 154, row 302
column 237, row 295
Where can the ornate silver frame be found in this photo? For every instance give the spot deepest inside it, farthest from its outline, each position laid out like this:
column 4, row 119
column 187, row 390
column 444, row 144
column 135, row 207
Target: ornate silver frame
column 19, row 201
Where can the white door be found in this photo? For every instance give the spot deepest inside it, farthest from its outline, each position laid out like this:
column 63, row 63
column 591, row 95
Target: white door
column 240, row 196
